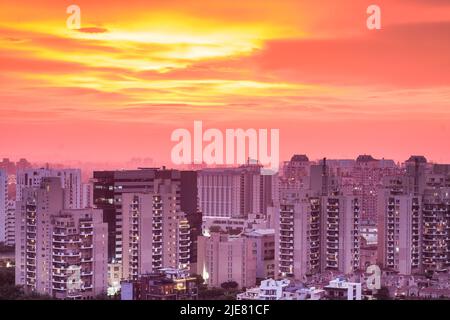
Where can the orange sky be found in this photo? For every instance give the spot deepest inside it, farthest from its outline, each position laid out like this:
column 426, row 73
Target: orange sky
column 139, row 69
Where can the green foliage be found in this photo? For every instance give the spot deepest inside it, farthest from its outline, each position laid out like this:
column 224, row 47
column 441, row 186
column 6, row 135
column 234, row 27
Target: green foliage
column 9, row 291
column 230, row 285
column 383, row 294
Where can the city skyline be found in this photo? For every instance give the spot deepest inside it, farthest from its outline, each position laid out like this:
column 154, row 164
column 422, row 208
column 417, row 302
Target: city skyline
column 313, row 71
column 225, row 150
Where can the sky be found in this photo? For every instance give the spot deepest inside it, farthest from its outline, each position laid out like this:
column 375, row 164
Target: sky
column 137, row 70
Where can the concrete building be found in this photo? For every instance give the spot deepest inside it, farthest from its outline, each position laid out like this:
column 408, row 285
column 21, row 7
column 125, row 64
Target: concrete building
column 265, row 252
column 10, row 231
column 234, row 225
column 166, row 284
column 340, row 289
column 298, row 238
column 340, row 234
column 235, row 192
column 318, row 234
column 111, row 186
column 87, row 195
column 226, row 258
column 283, row 289
column 70, row 180
column 414, row 219
column 60, row 252
column 3, row 204
column 155, row 231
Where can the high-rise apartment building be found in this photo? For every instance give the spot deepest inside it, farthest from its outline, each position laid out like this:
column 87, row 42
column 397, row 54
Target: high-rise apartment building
column 111, row 186
column 60, row 252
column 70, row 180
column 399, row 232
column 235, row 192
column 340, row 233
column 317, row 229
column 155, row 232
column 10, row 231
column 87, row 195
column 298, row 237
column 414, row 219
column 363, row 177
column 318, row 234
column 3, row 204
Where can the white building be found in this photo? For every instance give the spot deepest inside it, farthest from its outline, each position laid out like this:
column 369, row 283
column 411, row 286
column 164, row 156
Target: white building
column 70, row 181
column 265, row 252
column 340, row 289
column 87, row 195
column 234, row 192
column 155, row 232
column 10, row 233
column 317, row 234
column 3, row 204
column 227, row 258
column 280, row 290
column 60, row 252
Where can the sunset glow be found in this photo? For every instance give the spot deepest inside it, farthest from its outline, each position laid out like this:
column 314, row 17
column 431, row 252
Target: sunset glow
column 136, row 70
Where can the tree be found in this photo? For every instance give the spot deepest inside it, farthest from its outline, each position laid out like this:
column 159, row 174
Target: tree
column 230, row 285
column 9, row 291
column 382, row 294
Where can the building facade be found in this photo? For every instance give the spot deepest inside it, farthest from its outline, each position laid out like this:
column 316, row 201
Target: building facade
column 60, row 252
column 225, row 258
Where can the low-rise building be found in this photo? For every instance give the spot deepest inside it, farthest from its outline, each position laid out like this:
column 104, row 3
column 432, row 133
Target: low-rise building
column 340, row 289
column 167, row 284
column 283, row 289
column 227, row 258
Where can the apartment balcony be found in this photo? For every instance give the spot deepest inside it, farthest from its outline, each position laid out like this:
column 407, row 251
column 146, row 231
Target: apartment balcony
column 62, row 241
column 87, row 273
column 185, row 257
column 31, row 271
column 184, row 231
column 31, row 262
column 59, row 288
column 31, row 237
column 286, row 241
column 88, row 287
column 184, row 250
column 286, row 258
column 87, row 247
column 285, row 264
column 86, row 226
column 86, row 233
column 59, row 274
column 67, row 254
column 331, row 266
column 286, row 246
column 332, row 250
column 286, row 225
column 87, row 260
column 59, row 282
